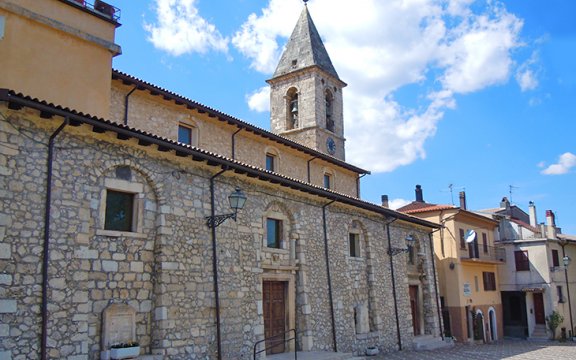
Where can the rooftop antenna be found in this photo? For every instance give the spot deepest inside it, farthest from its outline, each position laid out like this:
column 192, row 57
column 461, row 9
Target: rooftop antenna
column 451, row 189
column 510, row 190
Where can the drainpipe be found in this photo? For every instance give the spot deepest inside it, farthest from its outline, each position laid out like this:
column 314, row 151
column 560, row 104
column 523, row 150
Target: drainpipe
column 126, row 105
column 435, row 281
column 393, row 283
column 358, row 184
column 335, row 348
column 308, row 165
column 46, row 250
column 215, row 265
column 234, row 143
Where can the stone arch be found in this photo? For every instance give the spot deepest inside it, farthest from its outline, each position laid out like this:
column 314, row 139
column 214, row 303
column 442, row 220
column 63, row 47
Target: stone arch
column 493, row 324
column 292, row 108
column 478, row 325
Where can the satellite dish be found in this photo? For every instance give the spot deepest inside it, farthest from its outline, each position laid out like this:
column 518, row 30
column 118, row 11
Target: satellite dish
column 470, row 236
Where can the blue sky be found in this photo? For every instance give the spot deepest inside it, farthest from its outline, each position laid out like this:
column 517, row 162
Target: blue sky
column 477, row 94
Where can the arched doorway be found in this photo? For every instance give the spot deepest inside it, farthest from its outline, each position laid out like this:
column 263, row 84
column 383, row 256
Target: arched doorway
column 478, row 326
column 493, row 324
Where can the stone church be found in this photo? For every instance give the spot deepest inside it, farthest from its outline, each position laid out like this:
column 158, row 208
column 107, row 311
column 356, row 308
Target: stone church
column 131, row 214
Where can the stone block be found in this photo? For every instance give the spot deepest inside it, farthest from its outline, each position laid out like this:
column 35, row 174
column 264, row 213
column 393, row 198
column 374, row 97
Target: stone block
column 5, row 279
column 86, row 253
column 137, row 266
column 109, row 266
column 160, row 313
column 4, row 330
column 5, row 355
column 8, row 306
column 5, row 251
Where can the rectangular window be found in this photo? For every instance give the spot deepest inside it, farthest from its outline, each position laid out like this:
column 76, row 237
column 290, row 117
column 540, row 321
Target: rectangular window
column 270, row 162
column 354, row 242
column 119, row 211
column 521, row 260
column 327, row 181
column 274, row 233
column 560, row 294
column 462, row 240
column 185, row 134
column 555, row 258
column 485, row 243
column 489, row 281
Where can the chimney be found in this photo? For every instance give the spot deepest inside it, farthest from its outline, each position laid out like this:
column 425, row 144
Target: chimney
column 419, row 196
column 463, row 200
column 505, row 203
column 550, row 224
column 532, row 214
column 385, row 201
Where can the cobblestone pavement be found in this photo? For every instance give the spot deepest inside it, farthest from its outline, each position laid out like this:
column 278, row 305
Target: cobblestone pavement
column 507, row 349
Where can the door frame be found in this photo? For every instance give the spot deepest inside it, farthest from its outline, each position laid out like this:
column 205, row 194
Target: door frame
column 418, row 308
column 290, row 302
column 541, row 297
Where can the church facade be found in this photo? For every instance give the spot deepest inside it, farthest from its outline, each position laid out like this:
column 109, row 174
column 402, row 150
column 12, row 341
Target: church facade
column 117, row 227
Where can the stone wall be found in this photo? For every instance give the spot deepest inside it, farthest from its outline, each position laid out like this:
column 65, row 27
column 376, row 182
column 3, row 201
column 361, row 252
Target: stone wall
column 161, row 117
column 163, row 268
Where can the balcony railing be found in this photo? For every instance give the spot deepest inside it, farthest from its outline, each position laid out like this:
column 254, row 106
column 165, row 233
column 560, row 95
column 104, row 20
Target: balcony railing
column 98, row 7
column 483, row 253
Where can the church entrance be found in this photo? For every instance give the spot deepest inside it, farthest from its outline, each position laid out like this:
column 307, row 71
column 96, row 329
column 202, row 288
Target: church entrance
column 415, row 308
column 274, row 299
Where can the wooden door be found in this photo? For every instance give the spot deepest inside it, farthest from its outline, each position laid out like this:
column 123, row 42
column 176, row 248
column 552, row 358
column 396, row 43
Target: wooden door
column 274, row 294
column 539, row 308
column 414, row 306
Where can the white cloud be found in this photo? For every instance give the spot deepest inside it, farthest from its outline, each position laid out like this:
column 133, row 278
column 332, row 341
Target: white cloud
column 179, row 29
column 565, row 163
column 526, row 75
column 259, row 100
column 440, row 48
column 398, row 203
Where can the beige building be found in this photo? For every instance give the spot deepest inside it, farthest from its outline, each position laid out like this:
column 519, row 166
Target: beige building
column 115, row 225
column 467, row 265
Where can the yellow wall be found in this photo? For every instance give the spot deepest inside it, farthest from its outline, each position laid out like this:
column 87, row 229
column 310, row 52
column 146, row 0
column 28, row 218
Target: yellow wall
column 58, row 53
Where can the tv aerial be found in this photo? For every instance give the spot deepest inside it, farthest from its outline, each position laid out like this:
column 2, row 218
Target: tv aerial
column 470, row 236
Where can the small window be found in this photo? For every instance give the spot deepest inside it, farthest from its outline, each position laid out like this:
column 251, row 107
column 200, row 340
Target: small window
column 329, row 118
column 292, row 109
column 119, row 211
column 462, row 240
column 521, row 260
column 270, row 162
column 489, row 281
column 327, row 181
column 274, row 233
column 476, row 285
column 560, row 294
column 354, row 244
column 555, row 258
column 485, row 243
column 187, row 134
column 410, row 254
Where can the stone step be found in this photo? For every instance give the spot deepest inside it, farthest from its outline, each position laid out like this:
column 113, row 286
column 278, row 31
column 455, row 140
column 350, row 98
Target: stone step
column 315, row 355
column 429, row 342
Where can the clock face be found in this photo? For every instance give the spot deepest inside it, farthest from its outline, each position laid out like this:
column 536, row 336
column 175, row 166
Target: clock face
column 331, row 146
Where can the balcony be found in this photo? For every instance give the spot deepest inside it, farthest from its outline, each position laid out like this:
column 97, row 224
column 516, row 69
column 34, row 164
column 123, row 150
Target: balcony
column 97, row 7
column 483, row 254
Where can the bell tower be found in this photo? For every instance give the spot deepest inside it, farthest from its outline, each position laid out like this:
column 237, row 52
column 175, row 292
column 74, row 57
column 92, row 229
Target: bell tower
column 306, row 93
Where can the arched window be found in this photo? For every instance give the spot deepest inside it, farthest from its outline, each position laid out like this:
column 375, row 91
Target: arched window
column 292, row 109
column 329, row 111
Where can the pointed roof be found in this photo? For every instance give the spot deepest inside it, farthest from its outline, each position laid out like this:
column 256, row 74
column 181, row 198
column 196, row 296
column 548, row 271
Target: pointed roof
column 305, row 49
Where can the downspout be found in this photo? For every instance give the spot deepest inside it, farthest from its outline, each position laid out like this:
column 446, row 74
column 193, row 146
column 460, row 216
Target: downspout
column 335, row 347
column 358, row 184
column 46, row 250
column 435, row 282
column 393, row 283
column 126, row 105
column 215, row 265
column 308, row 165
column 234, row 143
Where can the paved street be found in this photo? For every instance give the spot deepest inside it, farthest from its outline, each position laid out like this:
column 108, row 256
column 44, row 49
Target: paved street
column 509, row 349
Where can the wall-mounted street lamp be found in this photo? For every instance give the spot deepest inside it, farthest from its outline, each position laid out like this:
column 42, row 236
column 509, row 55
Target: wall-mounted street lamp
column 237, row 200
column 566, row 260
column 395, row 251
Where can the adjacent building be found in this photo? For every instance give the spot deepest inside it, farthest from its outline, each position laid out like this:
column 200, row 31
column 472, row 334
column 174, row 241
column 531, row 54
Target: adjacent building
column 115, row 222
column 535, row 281
column 467, row 265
